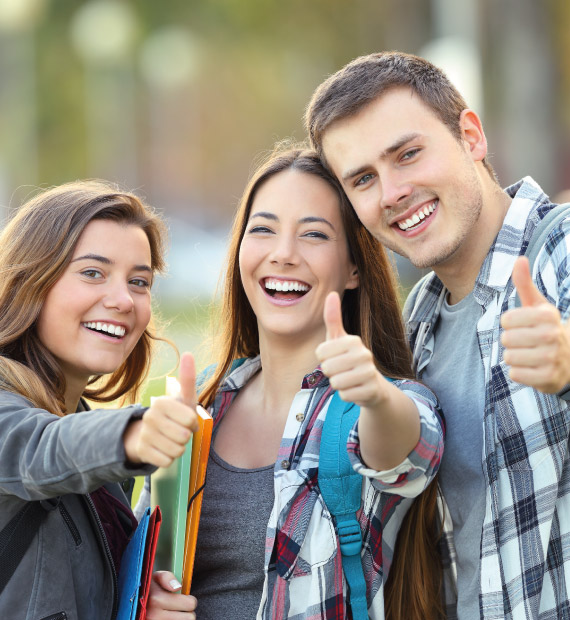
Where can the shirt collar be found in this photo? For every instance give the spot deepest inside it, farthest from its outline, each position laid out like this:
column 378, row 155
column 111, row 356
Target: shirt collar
column 242, row 374
column 527, row 197
column 497, row 267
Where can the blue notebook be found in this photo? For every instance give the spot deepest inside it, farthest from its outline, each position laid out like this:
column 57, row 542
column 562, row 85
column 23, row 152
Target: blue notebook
column 130, row 575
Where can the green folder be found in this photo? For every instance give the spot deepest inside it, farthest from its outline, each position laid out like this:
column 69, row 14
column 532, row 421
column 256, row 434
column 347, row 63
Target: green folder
column 169, row 490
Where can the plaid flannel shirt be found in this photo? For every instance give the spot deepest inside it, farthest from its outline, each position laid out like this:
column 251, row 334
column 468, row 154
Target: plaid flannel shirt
column 303, row 566
column 525, row 545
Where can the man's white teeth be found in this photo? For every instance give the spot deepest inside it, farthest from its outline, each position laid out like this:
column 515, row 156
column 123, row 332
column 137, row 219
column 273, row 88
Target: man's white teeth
column 285, row 286
column 418, row 216
column 114, row 330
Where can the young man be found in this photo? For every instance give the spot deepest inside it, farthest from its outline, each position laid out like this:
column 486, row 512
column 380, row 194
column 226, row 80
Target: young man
column 411, row 157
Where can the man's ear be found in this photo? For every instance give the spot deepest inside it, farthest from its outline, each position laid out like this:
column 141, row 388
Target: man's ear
column 473, row 134
column 353, row 279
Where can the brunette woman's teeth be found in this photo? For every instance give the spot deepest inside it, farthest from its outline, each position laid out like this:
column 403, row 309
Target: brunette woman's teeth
column 285, row 285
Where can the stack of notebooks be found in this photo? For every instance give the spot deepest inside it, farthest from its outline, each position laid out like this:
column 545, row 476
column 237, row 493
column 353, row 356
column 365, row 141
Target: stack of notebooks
column 178, row 491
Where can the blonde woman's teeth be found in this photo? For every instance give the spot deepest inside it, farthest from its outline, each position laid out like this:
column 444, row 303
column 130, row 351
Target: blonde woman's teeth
column 114, row 330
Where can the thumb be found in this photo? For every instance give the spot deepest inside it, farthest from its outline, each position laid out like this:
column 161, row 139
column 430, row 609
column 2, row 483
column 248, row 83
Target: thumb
column 166, row 580
column 333, row 316
column 528, row 293
column 187, row 380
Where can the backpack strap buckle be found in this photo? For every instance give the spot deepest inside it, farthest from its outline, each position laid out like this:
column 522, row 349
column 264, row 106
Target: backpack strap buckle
column 350, row 537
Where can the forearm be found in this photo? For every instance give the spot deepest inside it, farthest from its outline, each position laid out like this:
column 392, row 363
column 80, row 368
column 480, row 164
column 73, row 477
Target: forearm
column 389, row 430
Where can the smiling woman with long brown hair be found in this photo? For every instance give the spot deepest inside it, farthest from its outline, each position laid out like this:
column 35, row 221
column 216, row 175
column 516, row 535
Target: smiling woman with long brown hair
column 309, row 308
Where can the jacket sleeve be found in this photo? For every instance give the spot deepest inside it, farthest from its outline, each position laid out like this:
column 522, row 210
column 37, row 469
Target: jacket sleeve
column 417, row 470
column 43, row 455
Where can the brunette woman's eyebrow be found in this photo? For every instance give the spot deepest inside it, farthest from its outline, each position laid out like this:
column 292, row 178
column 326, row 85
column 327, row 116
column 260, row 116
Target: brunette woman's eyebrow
column 108, row 261
column 264, row 214
column 312, row 219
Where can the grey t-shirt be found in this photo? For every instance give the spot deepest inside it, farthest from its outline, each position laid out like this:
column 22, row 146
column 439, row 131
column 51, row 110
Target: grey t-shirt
column 230, row 554
column 456, row 375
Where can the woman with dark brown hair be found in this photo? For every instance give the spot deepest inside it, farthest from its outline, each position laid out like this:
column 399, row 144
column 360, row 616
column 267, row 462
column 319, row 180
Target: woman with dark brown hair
column 310, row 308
column 76, row 268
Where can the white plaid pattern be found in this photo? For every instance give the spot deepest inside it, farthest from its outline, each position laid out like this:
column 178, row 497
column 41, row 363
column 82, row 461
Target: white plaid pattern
column 303, row 569
column 525, row 545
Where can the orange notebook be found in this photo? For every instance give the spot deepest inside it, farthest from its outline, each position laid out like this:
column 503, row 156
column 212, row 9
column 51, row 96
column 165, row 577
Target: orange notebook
column 199, row 462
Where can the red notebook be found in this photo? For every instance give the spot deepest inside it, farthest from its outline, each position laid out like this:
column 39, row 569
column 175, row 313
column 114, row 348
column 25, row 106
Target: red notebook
column 148, row 561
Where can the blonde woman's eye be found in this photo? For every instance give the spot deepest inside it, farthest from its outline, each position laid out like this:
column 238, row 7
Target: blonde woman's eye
column 92, row 273
column 140, row 282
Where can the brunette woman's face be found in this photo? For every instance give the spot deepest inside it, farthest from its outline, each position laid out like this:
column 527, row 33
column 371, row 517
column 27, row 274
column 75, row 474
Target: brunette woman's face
column 96, row 312
column 293, row 253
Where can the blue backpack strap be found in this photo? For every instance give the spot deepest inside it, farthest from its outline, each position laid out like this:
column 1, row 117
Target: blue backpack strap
column 209, row 371
column 546, row 225
column 341, row 488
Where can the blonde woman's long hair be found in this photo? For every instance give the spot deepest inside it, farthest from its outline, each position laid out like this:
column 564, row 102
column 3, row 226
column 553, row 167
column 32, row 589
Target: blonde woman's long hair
column 35, row 248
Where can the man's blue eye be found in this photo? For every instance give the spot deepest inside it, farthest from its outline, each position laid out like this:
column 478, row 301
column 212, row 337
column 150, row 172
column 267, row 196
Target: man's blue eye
column 364, row 179
column 409, row 154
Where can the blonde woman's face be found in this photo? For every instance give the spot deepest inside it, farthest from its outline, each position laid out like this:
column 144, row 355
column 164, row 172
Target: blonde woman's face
column 96, row 312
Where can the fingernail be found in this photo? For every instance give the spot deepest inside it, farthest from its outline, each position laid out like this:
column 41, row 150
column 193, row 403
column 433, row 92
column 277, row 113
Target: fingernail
column 175, row 584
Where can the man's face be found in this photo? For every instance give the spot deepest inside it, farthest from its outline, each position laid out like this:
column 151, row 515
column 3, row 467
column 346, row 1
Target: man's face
column 411, row 182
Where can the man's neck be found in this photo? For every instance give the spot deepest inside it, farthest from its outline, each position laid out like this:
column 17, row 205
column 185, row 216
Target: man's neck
column 459, row 273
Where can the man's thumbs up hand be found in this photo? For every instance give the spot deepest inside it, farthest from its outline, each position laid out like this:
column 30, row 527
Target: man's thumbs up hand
column 526, row 288
column 537, row 343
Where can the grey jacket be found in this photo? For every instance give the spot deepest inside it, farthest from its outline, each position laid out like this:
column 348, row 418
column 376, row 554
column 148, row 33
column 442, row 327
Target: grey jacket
column 67, row 573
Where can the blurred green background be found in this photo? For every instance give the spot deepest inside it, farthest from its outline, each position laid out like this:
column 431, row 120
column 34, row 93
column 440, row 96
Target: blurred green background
column 176, row 99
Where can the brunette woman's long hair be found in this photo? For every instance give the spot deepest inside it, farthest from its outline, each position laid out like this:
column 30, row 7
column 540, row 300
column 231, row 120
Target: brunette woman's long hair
column 372, row 312
column 36, row 246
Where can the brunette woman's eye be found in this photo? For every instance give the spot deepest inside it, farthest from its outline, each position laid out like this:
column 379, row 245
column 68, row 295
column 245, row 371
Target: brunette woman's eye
column 316, row 234
column 259, row 229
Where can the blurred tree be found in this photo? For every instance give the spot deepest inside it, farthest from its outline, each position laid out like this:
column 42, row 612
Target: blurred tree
column 255, row 65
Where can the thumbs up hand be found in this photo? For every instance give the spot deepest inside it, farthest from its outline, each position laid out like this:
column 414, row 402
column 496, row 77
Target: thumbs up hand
column 167, row 425
column 347, row 363
column 537, row 343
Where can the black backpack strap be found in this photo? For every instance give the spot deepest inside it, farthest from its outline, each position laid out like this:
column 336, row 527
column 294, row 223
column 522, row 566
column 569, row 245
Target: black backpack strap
column 17, row 536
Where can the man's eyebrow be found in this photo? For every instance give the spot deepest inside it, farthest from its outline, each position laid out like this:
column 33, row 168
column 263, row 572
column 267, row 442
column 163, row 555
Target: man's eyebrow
column 387, row 151
column 108, row 261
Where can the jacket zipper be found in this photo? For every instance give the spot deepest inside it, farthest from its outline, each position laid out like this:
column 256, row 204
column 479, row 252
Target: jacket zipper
column 109, row 556
column 70, row 524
